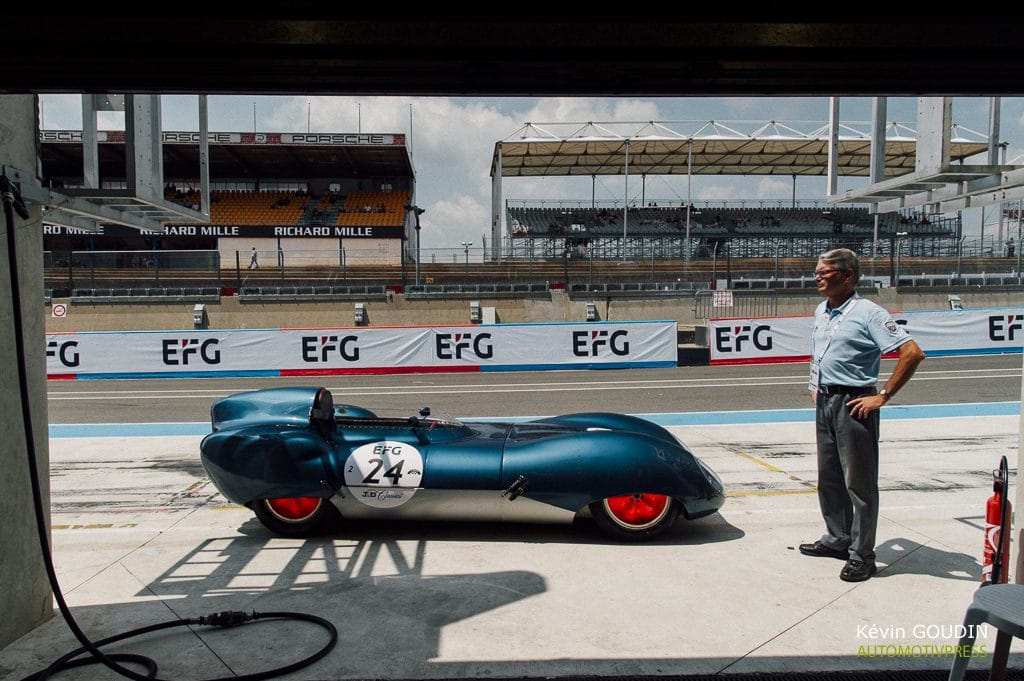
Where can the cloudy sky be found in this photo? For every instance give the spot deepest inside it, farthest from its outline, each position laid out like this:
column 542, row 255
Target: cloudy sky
column 452, row 141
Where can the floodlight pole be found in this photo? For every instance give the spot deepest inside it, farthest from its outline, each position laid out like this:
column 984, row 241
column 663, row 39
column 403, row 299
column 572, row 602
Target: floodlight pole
column 1020, row 206
column 899, row 247
column 959, row 242
column 714, row 265
column 689, row 191
column 625, row 201
column 417, row 212
column 466, row 245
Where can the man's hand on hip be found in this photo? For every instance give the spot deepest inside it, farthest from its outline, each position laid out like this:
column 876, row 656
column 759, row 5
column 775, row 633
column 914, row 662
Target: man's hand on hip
column 860, row 407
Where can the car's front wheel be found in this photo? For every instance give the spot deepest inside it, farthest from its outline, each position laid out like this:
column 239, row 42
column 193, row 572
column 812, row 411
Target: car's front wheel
column 635, row 517
column 296, row 516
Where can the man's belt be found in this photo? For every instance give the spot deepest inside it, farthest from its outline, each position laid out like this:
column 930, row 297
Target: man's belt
column 829, row 390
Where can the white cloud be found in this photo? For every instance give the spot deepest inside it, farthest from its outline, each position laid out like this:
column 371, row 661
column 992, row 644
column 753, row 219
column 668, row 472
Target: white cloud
column 716, row 192
column 774, row 188
column 448, row 222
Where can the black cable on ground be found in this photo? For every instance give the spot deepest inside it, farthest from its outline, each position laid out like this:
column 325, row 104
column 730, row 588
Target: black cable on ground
column 13, row 203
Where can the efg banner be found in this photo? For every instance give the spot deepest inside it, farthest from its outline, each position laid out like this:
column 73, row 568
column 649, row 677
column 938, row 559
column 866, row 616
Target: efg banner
column 360, row 350
column 939, row 333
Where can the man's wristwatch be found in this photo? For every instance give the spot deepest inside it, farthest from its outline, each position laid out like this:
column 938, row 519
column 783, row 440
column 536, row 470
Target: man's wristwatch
column 884, row 394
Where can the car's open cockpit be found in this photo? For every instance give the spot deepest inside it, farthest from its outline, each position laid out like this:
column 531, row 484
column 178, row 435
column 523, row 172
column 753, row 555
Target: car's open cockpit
column 333, row 420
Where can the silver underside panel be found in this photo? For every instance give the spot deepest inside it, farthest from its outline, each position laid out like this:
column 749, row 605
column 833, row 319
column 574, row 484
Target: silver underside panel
column 459, row 505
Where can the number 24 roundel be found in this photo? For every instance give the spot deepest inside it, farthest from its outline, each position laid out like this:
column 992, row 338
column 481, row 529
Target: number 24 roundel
column 385, row 467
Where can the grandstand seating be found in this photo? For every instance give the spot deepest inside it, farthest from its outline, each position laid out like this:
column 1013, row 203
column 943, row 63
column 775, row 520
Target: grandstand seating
column 671, row 221
column 363, row 208
column 256, row 208
column 323, row 211
column 358, row 208
column 190, row 198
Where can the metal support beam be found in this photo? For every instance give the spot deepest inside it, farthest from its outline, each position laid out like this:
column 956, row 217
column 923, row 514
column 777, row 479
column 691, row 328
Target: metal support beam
column 496, row 207
column 934, row 119
column 833, row 147
column 993, row 130
column 204, row 158
column 878, row 111
column 143, row 147
column 90, row 146
column 877, row 162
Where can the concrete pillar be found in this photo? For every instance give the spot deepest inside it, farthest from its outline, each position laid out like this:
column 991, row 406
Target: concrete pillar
column 26, row 600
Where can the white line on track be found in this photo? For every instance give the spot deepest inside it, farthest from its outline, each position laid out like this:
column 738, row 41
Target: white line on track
column 667, row 384
column 756, row 380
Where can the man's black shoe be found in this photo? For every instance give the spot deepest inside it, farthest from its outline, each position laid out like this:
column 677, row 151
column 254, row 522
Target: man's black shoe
column 819, row 550
column 857, row 571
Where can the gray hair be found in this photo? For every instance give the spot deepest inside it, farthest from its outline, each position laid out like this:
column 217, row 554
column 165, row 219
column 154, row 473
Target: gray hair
column 842, row 259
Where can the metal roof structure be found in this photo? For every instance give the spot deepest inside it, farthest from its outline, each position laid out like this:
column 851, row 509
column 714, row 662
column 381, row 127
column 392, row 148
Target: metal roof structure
column 241, row 155
column 710, row 148
column 939, row 179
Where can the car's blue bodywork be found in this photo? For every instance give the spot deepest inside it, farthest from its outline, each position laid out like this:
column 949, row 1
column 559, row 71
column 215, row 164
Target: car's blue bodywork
column 294, row 442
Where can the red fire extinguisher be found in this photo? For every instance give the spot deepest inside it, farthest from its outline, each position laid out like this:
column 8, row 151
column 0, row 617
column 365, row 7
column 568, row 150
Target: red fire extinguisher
column 997, row 531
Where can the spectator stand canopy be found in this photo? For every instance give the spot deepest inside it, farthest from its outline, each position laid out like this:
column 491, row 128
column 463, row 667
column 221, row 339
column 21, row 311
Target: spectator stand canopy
column 702, row 148
column 238, row 155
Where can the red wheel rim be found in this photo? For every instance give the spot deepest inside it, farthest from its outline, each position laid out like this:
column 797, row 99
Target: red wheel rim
column 637, row 511
column 294, row 509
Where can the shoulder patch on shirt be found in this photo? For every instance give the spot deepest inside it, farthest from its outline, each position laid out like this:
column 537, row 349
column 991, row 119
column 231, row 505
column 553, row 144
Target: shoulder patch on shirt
column 891, row 326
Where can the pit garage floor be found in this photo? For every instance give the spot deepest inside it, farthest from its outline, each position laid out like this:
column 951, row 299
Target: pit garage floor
column 140, row 536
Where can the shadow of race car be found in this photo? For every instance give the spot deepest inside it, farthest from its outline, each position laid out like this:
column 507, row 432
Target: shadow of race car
column 299, row 462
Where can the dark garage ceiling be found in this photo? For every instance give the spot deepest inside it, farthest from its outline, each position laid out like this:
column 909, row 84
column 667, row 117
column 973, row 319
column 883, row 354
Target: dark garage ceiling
column 289, row 48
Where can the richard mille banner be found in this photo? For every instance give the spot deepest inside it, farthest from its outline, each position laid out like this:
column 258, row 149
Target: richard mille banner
column 243, row 231
column 939, row 333
column 366, row 350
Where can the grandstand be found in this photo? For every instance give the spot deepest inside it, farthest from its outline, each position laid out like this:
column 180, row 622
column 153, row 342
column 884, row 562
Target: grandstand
column 688, row 148
column 763, row 232
column 280, row 193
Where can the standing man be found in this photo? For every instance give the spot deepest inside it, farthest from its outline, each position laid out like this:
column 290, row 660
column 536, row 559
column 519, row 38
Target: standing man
column 849, row 338
column 253, row 265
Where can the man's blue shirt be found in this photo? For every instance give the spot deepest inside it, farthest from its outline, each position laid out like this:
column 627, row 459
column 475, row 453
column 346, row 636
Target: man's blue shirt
column 853, row 357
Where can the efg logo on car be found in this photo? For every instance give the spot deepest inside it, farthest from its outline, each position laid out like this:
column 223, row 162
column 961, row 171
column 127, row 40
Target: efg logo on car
column 455, row 345
column 732, row 338
column 322, row 348
column 65, row 352
column 590, row 343
column 183, row 351
column 1002, row 328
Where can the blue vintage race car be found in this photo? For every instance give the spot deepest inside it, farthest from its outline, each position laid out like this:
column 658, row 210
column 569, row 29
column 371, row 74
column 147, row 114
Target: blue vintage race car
column 299, row 462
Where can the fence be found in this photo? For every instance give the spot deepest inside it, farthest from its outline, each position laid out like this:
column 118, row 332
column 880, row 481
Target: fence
column 708, row 304
column 653, row 268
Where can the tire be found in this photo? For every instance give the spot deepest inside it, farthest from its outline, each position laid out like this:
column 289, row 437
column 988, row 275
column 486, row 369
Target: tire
column 297, row 517
column 635, row 517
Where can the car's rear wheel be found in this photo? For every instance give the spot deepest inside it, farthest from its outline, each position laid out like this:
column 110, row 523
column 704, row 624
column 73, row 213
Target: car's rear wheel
column 296, row 516
column 635, row 517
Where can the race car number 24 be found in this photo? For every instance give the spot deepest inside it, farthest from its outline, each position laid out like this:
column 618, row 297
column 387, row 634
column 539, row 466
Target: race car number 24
column 384, row 474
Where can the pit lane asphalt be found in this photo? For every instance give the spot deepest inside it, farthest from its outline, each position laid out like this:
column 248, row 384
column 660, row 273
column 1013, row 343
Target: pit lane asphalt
column 141, row 536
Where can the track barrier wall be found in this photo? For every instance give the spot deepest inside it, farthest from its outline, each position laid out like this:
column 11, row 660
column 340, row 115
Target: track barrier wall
column 360, row 350
column 752, row 340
